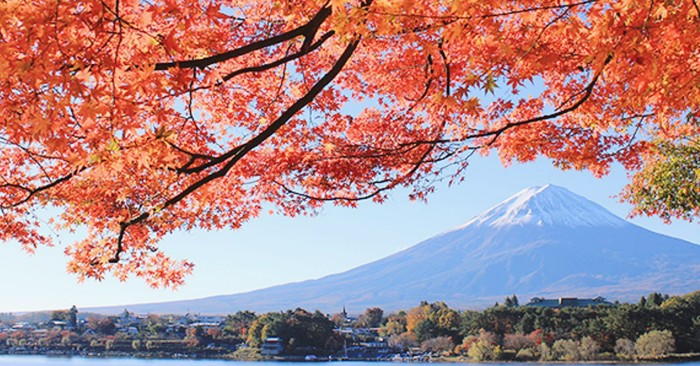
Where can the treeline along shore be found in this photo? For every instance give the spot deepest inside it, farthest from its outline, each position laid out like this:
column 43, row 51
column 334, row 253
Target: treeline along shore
column 658, row 327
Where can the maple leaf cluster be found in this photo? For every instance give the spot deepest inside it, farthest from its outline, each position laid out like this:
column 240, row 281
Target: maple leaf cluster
column 139, row 118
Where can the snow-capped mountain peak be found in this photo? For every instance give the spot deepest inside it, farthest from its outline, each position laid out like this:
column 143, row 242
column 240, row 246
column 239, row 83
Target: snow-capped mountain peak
column 546, row 206
column 579, row 249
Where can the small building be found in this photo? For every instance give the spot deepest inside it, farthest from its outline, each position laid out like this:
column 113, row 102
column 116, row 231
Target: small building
column 23, row 326
column 379, row 344
column 567, row 301
column 204, row 325
column 58, row 324
column 209, row 319
column 272, row 346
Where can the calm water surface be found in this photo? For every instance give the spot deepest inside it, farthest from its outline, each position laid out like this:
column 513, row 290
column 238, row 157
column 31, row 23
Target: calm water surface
column 81, row 361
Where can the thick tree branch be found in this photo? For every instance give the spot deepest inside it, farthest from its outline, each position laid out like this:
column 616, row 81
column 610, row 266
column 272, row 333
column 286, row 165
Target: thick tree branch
column 213, row 161
column 308, row 31
column 238, row 153
column 304, row 51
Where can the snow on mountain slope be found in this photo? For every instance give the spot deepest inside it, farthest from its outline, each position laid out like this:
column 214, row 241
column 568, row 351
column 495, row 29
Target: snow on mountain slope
column 547, row 205
column 544, row 241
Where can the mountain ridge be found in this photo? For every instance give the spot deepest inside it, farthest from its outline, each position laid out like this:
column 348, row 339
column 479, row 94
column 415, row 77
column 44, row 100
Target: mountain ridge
column 543, row 241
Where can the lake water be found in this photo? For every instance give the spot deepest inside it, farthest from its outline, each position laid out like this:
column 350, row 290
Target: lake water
column 81, row 361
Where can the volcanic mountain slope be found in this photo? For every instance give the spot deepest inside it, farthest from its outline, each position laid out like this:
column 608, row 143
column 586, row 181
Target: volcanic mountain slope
column 544, row 241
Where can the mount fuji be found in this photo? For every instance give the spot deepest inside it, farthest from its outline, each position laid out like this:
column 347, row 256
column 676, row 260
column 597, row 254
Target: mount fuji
column 544, row 241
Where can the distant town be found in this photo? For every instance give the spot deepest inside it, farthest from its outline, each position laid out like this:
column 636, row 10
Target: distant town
column 657, row 327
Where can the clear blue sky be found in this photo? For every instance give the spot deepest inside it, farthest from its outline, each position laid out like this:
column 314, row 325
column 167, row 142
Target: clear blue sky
column 275, row 250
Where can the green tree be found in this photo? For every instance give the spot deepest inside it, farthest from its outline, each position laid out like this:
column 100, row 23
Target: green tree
column 654, row 299
column 680, row 316
column 502, row 319
column 471, row 322
column 238, row 324
column 155, row 326
column 628, row 320
column 669, row 184
column 297, row 329
column 395, row 324
column 429, row 320
column 595, row 328
column 310, row 330
column 425, row 329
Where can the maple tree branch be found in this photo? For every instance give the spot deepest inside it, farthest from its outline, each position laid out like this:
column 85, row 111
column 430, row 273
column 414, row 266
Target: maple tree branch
column 304, row 51
column 239, row 152
column 541, row 8
column 391, row 183
column 186, row 169
column 32, row 155
column 486, row 16
column 428, row 82
column 33, row 191
column 448, row 76
column 333, row 198
column 544, row 29
column 697, row 8
column 306, row 48
column 637, row 128
column 587, row 92
column 213, row 161
column 308, row 30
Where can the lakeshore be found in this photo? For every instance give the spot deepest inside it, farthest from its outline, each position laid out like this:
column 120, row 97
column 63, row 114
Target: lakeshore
column 689, row 359
column 33, row 360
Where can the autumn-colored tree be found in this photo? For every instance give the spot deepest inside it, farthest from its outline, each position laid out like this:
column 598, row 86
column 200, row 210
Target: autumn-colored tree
column 139, row 118
column 371, row 318
column 654, row 344
column 441, row 345
column 103, row 326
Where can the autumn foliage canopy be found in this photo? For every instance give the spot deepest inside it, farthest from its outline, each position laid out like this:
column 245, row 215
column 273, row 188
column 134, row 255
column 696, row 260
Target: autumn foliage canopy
column 134, row 119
